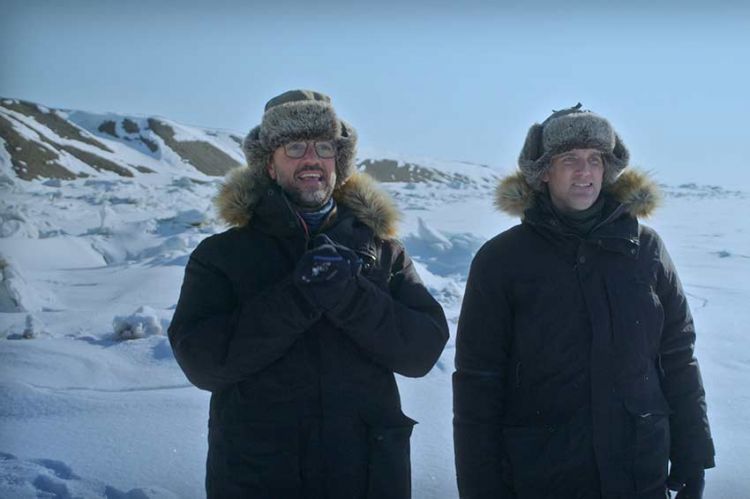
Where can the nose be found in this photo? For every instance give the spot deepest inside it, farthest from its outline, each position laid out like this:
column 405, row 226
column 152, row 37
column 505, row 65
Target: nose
column 310, row 152
column 584, row 167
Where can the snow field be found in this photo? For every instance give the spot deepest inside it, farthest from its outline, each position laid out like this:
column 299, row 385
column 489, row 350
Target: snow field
column 89, row 262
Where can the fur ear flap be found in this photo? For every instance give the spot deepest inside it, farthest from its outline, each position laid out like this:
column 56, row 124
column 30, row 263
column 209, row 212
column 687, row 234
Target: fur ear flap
column 258, row 157
column 621, row 152
column 532, row 147
column 346, row 153
column 345, row 130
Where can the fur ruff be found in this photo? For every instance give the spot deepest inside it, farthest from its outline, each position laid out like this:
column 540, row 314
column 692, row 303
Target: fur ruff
column 244, row 187
column 633, row 188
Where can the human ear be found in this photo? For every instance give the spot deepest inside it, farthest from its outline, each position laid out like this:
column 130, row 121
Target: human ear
column 270, row 169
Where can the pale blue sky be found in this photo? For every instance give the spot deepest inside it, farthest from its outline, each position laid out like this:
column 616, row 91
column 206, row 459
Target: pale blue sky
column 417, row 78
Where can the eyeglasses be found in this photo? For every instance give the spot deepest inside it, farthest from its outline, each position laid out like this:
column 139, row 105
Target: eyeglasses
column 325, row 149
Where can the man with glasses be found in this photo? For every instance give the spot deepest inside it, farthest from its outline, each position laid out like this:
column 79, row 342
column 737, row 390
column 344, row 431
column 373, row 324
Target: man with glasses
column 297, row 318
column 575, row 369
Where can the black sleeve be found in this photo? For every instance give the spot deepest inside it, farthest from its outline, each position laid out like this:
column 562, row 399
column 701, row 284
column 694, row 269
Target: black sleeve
column 482, row 352
column 402, row 327
column 691, row 444
column 218, row 341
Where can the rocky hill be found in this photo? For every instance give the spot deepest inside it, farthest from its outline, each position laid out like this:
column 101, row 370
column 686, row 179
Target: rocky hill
column 43, row 143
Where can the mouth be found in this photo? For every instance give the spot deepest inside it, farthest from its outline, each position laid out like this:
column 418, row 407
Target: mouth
column 582, row 187
column 310, row 176
column 585, row 189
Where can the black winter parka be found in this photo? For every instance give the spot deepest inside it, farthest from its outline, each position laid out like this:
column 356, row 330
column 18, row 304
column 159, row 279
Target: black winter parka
column 575, row 373
column 305, row 404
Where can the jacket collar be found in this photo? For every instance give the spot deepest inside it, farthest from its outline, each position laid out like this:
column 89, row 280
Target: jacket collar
column 247, row 195
column 631, row 196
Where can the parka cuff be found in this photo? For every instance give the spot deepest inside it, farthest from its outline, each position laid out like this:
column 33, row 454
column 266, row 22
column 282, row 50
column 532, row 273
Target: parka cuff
column 687, row 466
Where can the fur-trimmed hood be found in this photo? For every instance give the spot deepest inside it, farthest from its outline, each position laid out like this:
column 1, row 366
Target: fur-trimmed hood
column 244, row 188
column 633, row 188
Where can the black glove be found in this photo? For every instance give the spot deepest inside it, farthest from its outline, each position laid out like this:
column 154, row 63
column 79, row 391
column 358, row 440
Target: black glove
column 690, row 487
column 326, row 272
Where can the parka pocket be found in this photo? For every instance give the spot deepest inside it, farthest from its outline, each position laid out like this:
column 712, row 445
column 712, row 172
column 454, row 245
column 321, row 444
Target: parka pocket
column 650, row 447
column 389, row 466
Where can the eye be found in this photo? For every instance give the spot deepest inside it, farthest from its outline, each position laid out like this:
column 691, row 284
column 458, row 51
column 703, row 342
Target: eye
column 295, row 149
column 325, row 149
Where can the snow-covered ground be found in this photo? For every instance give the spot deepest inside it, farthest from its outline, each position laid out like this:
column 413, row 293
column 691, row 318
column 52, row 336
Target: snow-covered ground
column 85, row 412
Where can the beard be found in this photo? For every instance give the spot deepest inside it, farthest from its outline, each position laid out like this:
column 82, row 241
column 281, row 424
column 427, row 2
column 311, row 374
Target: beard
column 309, row 200
column 306, row 198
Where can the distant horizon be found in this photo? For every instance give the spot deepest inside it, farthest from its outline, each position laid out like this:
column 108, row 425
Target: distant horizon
column 367, row 153
column 425, row 80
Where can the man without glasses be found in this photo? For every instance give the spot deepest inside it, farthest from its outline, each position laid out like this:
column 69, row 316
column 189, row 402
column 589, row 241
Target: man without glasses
column 575, row 372
column 297, row 318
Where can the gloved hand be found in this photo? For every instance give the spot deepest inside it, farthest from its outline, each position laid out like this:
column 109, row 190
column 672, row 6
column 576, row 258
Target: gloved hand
column 326, row 272
column 689, row 487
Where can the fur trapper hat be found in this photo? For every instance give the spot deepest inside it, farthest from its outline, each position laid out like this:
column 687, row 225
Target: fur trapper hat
column 572, row 128
column 300, row 115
